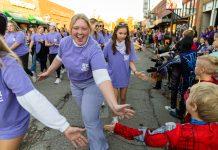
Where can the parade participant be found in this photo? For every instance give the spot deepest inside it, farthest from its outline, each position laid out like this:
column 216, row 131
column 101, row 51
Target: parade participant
column 16, row 40
column 18, row 98
column 39, row 41
column 200, row 133
column 52, row 40
column 86, row 68
column 120, row 55
column 31, row 32
column 104, row 32
column 63, row 32
column 107, row 36
column 95, row 35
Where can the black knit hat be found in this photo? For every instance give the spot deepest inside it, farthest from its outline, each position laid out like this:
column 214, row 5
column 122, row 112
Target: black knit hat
column 3, row 24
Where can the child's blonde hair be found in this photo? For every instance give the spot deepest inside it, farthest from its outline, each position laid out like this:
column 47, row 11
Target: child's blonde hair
column 209, row 64
column 205, row 96
column 195, row 39
column 5, row 50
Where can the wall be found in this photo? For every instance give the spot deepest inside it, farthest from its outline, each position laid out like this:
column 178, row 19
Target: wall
column 55, row 13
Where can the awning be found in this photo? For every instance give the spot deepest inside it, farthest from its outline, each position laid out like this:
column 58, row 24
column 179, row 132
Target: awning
column 15, row 17
column 36, row 20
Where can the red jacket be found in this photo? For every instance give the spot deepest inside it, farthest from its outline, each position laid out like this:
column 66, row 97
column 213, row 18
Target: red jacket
column 175, row 136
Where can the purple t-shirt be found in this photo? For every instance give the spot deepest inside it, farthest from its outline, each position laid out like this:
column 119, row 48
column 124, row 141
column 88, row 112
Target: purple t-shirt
column 14, row 119
column 106, row 37
column 118, row 65
column 99, row 39
column 81, row 61
column 19, row 37
column 36, row 39
column 55, row 38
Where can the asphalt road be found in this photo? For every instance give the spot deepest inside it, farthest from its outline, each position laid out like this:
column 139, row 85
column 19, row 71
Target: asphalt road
column 148, row 104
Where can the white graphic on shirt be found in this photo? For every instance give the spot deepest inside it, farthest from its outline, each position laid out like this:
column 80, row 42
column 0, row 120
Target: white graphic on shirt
column 1, row 99
column 85, row 67
column 126, row 57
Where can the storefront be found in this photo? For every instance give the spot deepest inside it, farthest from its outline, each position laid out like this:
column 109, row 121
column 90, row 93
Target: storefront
column 21, row 11
column 189, row 11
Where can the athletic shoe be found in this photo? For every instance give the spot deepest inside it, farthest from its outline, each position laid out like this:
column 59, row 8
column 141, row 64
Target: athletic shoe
column 57, row 81
column 114, row 120
column 170, row 109
column 63, row 71
column 33, row 78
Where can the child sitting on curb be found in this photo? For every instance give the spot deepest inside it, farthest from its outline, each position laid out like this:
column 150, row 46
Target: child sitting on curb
column 200, row 134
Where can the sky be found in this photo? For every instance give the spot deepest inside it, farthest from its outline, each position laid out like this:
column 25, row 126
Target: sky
column 108, row 10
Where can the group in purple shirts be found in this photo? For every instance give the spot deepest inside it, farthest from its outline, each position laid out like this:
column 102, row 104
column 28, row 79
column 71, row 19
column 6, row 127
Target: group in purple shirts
column 81, row 54
column 18, row 98
column 89, row 79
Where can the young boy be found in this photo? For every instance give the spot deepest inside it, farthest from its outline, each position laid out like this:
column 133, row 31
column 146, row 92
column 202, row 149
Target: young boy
column 200, row 134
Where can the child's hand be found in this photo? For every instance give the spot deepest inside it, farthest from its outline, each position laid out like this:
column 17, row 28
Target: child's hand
column 109, row 128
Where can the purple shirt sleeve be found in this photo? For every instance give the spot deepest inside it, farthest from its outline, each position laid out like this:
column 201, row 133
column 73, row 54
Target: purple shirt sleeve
column 97, row 59
column 132, row 56
column 15, row 78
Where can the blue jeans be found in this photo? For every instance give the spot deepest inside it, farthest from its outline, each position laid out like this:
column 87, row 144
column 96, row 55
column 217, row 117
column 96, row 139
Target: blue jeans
column 89, row 99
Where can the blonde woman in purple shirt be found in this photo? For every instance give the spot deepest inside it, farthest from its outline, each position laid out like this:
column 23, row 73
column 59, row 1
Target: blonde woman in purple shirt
column 86, row 68
column 120, row 55
column 16, row 40
column 18, row 98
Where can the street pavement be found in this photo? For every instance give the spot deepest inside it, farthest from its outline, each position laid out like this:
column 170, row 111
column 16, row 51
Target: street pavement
column 148, row 104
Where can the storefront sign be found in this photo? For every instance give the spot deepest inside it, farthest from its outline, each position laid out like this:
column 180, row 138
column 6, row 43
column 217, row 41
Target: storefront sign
column 23, row 4
column 208, row 6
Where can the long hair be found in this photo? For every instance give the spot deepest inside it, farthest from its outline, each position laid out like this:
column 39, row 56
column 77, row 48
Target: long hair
column 93, row 21
column 127, row 40
column 3, row 23
column 5, row 50
column 16, row 27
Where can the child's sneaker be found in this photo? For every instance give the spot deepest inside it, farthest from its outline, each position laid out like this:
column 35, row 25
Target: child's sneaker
column 114, row 120
column 170, row 109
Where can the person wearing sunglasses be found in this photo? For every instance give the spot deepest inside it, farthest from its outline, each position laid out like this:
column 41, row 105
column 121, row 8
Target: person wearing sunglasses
column 104, row 32
column 95, row 32
column 19, row 99
column 89, row 79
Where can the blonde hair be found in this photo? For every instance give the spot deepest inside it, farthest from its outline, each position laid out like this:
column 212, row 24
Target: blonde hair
column 188, row 32
column 77, row 17
column 210, row 64
column 205, row 96
column 5, row 50
column 16, row 27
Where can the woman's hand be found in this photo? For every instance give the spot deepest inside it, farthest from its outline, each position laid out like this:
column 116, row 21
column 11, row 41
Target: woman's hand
column 43, row 76
column 124, row 111
column 74, row 135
